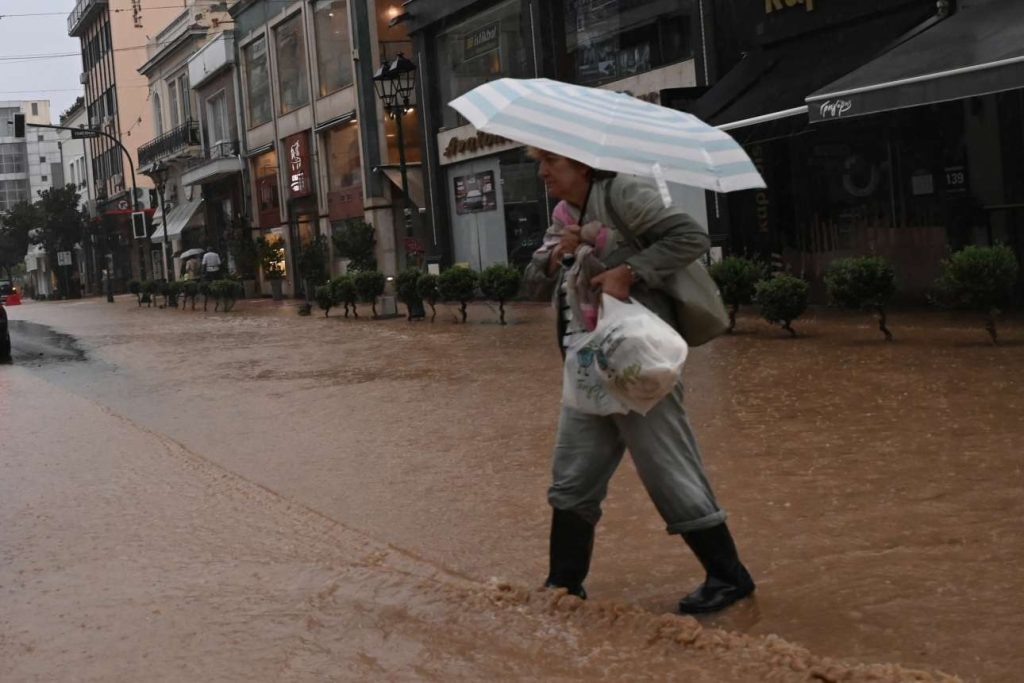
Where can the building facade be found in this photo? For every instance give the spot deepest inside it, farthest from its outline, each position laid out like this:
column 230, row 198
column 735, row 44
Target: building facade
column 111, row 34
column 486, row 203
column 177, row 145
column 78, row 172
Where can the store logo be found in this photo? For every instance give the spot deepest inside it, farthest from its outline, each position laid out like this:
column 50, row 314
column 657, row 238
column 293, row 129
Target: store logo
column 480, row 141
column 779, row 5
column 835, row 109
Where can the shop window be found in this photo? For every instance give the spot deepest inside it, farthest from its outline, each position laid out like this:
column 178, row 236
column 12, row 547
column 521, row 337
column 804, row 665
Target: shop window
column 333, row 45
column 292, row 78
column 411, row 132
column 264, row 170
column 611, row 39
column 486, row 47
column 344, row 172
column 257, row 81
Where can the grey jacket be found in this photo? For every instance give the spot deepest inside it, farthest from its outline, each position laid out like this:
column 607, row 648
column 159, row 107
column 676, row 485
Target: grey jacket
column 666, row 240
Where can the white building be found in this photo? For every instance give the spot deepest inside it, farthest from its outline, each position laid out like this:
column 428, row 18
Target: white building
column 27, row 166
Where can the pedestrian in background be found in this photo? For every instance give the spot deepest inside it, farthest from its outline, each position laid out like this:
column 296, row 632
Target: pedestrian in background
column 211, row 264
column 588, row 448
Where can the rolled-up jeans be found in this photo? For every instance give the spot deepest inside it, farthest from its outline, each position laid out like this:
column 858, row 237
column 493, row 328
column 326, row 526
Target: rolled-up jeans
column 588, row 449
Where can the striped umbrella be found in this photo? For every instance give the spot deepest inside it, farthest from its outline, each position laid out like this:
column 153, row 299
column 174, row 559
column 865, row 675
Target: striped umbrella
column 610, row 131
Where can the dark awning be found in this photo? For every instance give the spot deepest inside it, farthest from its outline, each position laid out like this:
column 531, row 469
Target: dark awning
column 771, row 83
column 977, row 51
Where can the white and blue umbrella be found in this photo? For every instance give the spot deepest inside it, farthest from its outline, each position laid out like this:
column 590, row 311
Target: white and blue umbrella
column 610, row 131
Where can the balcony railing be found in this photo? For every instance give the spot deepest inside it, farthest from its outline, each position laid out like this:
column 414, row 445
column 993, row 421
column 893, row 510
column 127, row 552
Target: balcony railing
column 83, row 10
column 171, row 143
column 223, row 150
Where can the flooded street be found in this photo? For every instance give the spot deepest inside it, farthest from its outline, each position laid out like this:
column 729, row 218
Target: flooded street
column 259, row 496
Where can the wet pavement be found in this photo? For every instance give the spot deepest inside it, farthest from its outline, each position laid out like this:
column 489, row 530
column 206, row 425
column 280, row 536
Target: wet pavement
column 875, row 489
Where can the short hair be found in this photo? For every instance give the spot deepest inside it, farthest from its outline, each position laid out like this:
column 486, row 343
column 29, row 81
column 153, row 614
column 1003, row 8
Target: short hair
column 537, row 154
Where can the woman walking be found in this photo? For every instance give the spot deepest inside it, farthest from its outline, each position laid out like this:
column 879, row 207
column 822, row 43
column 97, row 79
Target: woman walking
column 588, row 448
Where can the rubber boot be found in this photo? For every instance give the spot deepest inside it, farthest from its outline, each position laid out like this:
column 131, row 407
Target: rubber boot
column 727, row 579
column 572, row 543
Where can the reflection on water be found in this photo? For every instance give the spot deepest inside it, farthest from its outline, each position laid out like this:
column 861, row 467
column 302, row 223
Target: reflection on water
column 875, row 489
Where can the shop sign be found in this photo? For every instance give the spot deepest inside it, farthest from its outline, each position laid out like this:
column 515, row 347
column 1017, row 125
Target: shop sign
column 466, row 142
column 834, row 109
column 346, row 202
column 771, row 6
column 481, row 41
column 300, row 177
column 956, row 179
column 475, row 193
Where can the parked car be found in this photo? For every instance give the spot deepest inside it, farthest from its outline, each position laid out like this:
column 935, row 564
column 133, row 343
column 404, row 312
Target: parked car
column 6, row 288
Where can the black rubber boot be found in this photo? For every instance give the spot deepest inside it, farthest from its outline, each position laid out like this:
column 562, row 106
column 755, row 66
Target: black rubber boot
column 572, row 543
column 727, row 579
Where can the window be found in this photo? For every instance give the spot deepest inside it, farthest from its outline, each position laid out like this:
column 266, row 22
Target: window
column 158, row 115
column 609, row 40
column 39, row 138
column 410, row 135
column 264, row 169
column 35, row 109
column 333, row 45
column 12, row 192
column 172, row 104
column 486, row 47
column 291, row 65
column 42, row 160
column 186, row 100
column 7, row 121
column 13, row 157
column 257, row 81
column 344, row 172
column 44, row 179
column 217, row 120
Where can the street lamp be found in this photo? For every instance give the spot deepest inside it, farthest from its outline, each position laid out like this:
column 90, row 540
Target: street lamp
column 394, row 83
column 159, row 175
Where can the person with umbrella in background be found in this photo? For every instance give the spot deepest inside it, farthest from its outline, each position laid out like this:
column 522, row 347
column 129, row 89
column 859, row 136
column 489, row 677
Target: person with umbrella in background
column 586, row 168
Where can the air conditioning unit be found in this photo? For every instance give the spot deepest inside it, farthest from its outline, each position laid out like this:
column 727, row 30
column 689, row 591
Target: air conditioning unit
column 83, row 78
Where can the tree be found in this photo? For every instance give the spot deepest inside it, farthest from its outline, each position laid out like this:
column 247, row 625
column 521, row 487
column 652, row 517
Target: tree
column 61, row 222
column 369, row 285
column 865, row 283
column 313, row 264
column 979, row 278
column 458, row 284
column 355, row 240
column 345, row 293
column 15, row 226
column 325, row 298
column 782, row 299
column 500, row 282
column 736, row 278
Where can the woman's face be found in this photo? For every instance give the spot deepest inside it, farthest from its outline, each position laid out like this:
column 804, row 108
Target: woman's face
column 563, row 178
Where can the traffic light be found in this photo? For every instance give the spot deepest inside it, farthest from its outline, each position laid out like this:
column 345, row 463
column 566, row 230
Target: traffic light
column 19, row 125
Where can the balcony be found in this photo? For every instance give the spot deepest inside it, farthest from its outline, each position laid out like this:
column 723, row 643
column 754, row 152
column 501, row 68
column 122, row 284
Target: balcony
column 84, row 12
column 179, row 143
column 211, row 59
column 221, row 161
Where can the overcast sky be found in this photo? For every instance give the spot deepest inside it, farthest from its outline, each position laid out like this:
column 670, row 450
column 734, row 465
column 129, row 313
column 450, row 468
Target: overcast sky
column 54, row 79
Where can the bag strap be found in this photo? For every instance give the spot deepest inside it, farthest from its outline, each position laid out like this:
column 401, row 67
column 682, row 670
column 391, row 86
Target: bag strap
column 619, row 223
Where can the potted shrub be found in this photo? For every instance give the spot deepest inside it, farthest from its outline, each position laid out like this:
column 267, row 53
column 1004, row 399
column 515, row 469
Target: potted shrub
column 736, row 278
column 458, row 284
column 325, row 298
column 271, row 254
column 427, row 290
column 205, row 291
column 174, row 292
column 345, row 293
column 149, row 289
column 407, row 293
column 369, row 285
column 980, row 279
column 782, row 299
column 862, row 283
column 313, row 265
column 225, row 293
column 135, row 287
column 246, row 255
column 189, row 292
column 499, row 283
column 163, row 288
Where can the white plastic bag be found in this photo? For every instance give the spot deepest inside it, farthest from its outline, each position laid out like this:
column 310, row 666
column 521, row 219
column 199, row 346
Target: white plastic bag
column 630, row 361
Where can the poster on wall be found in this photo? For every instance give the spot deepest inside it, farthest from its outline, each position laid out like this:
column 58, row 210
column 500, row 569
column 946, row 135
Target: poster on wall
column 475, row 193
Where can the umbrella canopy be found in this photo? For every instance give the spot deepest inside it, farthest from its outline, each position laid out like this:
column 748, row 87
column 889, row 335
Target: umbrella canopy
column 190, row 253
column 610, row 131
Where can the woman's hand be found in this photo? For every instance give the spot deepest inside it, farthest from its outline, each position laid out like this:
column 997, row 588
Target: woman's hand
column 615, row 282
column 570, row 241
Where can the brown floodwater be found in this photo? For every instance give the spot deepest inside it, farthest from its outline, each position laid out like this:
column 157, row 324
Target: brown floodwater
column 875, row 490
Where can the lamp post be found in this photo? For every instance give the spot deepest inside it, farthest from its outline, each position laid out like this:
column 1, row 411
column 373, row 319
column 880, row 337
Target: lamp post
column 394, row 83
column 159, row 175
